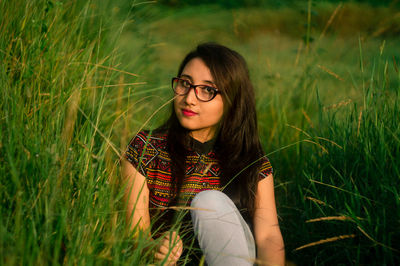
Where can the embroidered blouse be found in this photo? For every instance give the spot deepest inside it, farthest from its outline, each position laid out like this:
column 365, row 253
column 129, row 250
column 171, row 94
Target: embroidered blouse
column 149, row 156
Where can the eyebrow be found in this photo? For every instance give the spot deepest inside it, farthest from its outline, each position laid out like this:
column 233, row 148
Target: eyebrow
column 191, row 79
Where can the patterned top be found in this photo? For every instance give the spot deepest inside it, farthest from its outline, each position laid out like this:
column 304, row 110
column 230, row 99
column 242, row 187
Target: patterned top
column 149, row 156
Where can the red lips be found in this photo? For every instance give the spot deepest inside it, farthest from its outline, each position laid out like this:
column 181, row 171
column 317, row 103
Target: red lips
column 187, row 112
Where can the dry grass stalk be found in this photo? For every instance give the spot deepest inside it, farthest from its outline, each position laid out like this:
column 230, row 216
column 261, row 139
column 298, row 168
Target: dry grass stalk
column 207, row 169
column 330, row 218
column 395, row 65
column 41, row 188
column 87, row 149
column 126, row 116
column 107, row 68
column 316, row 200
column 235, row 24
column 330, row 20
column 327, row 240
column 385, row 25
column 359, row 122
column 331, row 141
column 177, row 208
column 116, row 85
column 120, row 93
column 324, row 150
column 42, row 103
column 71, row 115
column 300, row 130
column 100, row 133
column 111, row 163
column 296, row 62
column 307, row 118
column 376, row 242
column 337, row 105
column 341, row 189
column 268, row 63
column 330, row 72
column 153, row 114
column 320, row 202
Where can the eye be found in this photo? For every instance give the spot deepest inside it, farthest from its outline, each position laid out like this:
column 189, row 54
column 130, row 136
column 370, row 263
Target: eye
column 210, row 90
column 207, row 91
column 185, row 83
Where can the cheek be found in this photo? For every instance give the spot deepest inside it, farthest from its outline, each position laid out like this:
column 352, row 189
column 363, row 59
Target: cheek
column 218, row 111
column 176, row 103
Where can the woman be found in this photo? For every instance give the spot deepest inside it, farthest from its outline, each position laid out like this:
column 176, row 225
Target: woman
column 209, row 144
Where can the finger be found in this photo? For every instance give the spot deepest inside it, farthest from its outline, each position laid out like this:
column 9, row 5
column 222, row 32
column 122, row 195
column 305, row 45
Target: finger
column 178, row 247
column 180, row 250
column 173, row 244
column 165, row 247
column 164, row 242
column 170, row 263
column 158, row 256
column 174, row 238
column 163, row 250
column 177, row 252
column 177, row 256
column 173, row 253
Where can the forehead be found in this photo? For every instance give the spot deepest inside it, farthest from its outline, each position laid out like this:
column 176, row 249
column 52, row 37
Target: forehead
column 197, row 70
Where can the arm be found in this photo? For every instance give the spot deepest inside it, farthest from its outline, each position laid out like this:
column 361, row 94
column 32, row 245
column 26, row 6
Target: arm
column 136, row 196
column 270, row 246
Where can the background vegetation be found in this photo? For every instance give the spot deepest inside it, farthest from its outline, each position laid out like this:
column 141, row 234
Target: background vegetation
column 79, row 79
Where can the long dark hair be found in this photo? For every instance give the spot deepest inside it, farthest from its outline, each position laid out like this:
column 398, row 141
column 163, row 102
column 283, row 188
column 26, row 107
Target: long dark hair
column 237, row 142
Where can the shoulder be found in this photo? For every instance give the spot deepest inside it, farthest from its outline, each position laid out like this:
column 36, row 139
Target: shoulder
column 150, row 140
column 146, row 143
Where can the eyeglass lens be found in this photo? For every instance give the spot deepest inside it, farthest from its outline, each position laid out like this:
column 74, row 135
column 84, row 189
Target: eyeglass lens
column 203, row 92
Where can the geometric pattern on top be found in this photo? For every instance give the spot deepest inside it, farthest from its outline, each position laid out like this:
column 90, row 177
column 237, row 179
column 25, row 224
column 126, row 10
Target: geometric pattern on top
column 147, row 153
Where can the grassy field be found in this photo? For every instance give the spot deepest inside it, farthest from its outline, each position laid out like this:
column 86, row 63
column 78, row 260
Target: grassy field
column 78, row 80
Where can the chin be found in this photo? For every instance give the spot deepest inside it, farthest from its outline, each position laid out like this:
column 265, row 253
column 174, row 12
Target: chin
column 188, row 126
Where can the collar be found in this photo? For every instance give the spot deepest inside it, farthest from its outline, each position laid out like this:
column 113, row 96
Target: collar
column 202, row 147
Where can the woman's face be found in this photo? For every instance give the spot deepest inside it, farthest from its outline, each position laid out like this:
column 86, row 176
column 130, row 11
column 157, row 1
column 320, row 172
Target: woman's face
column 201, row 118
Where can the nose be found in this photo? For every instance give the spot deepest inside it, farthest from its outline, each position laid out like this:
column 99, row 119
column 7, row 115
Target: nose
column 190, row 97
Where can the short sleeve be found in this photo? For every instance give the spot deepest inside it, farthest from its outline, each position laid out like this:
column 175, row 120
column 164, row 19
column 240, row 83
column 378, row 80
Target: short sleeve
column 136, row 152
column 265, row 169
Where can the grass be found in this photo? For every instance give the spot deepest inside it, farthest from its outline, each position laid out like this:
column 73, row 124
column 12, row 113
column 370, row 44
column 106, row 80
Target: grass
column 79, row 79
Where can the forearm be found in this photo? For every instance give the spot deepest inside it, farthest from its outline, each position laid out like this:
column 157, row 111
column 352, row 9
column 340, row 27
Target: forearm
column 136, row 198
column 271, row 250
column 137, row 222
column 137, row 214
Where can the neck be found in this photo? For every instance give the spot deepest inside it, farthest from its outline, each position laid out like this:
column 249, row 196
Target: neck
column 202, row 136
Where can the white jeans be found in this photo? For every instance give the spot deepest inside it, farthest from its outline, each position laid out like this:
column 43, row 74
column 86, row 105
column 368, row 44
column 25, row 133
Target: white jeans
column 223, row 235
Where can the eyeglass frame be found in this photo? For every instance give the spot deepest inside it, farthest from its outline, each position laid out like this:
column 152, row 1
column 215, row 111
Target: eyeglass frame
column 191, row 86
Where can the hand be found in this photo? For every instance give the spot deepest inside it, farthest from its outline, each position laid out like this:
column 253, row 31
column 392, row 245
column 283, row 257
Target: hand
column 170, row 243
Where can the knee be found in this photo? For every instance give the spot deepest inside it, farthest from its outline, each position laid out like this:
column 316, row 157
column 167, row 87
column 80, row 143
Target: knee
column 208, row 198
column 211, row 202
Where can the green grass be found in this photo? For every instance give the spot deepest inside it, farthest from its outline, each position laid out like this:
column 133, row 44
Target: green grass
column 79, row 80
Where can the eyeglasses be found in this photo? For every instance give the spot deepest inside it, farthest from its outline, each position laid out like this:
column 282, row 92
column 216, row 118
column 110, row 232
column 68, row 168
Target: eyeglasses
column 203, row 93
